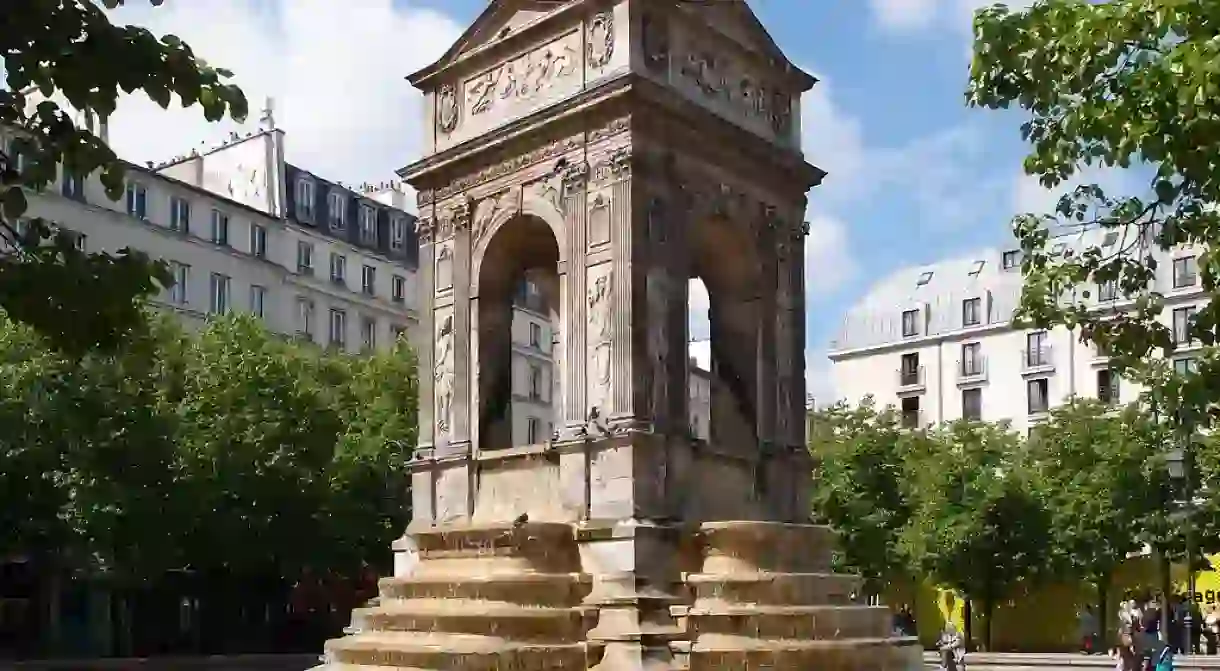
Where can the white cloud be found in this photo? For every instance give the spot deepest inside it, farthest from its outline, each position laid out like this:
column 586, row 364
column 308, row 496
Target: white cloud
column 335, row 69
column 904, row 15
column 1028, row 195
column 917, row 16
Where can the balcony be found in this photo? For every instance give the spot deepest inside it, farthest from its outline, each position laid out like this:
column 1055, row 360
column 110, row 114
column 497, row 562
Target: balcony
column 1038, row 360
column 972, row 371
column 911, row 379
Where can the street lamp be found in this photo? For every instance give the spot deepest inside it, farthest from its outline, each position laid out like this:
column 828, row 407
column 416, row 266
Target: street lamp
column 1177, row 462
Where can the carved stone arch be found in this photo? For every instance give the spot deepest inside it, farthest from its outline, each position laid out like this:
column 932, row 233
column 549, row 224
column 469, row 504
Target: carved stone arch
column 531, row 206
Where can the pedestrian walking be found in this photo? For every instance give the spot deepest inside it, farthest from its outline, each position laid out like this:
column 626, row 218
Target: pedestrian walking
column 1087, row 630
column 952, row 649
column 1211, row 629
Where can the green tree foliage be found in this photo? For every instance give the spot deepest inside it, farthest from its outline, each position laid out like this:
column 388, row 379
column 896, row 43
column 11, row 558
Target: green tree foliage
column 861, row 486
column 230, row 451
column 70, row 49
column 1103, row 481
column 1118, row 84
column 977, row 524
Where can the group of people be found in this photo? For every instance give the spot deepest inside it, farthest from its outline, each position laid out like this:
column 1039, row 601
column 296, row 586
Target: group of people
column 1146, row 642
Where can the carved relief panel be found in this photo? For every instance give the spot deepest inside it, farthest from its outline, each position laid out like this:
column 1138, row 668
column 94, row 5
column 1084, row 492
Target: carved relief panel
column 598, row 218
column 600, row 296
column 715, row 75
column 482, row 101
column 444, row 268
column 444, row 374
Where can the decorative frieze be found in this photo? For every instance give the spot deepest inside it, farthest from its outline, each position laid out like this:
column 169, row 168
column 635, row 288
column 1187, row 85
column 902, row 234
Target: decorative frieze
column 722, row 79
column 524, row 78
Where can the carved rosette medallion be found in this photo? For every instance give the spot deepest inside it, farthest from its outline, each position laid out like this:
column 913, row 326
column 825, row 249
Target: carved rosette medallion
column 447, row 108
column 600, row 40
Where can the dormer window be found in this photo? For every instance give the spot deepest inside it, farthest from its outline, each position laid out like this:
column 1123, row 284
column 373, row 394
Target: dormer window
column 336, row 206
column 977, row 268
column 924, row 278
column 368, row 224
column 304, row 199
column 398, row 232
column 1011, row 259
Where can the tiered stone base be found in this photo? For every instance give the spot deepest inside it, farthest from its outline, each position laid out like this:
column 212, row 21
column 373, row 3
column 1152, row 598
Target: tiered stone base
column 498, row 597
column 483, row 598
column 765, row 599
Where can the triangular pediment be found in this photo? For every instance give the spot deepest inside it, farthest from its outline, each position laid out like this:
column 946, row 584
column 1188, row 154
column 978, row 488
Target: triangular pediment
column 735, row 19
column 500, row 19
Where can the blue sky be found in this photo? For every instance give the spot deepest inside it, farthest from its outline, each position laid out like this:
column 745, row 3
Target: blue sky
column 915, row 176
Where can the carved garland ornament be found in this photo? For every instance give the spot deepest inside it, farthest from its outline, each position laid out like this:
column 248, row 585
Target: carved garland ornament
column 447, row 109
column 600, row 40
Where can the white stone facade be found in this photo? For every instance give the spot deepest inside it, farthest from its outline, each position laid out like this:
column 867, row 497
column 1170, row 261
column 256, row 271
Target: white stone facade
column 937, row 342
column 218, row 220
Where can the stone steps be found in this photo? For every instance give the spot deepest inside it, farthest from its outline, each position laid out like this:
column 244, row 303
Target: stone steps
column 437, row 651
column 530, row 624
column 717, row 652
column 775, row 589
column 791, row 622
column 526, row 589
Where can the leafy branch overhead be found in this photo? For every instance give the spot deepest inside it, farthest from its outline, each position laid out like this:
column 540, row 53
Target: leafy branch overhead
column 1129, row 85
column 69, row 50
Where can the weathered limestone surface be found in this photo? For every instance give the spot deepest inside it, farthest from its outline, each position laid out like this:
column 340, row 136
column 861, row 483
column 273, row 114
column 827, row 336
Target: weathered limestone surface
column 619, row 148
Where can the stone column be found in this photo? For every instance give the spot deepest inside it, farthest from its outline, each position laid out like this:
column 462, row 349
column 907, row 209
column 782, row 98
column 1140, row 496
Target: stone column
column 630, row 552
column 575, row 304
column 463, row 412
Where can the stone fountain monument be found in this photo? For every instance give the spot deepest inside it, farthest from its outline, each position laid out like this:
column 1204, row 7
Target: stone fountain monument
column 614, row 149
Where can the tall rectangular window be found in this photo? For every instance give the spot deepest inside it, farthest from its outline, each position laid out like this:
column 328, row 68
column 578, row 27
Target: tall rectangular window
column 535, row 383
column 368, row 280
column 368, row 224
column 304, row 200
column 220, row 228
column 971, row 309
column 338, row 328
column 219, row 294
column 336, row 205
column 179, row 292
column 398, row 288
column 179, row 215
column 73, row 186
column 908, row 372
column 972, row 359
column 258, row 241
column 1107, row 291
column 368, row 333
column 1107, row 387
column 535, row 335
column 1037, row 353
column 304, row 258
column 258, row 301
column 137, row 200
column 972, row 404
column 1182, row 318
column 533, row 431
column 1037, row 391
column 338, row 268
column 1185, row 272
column 398, row 232
column 305, row 316
column 910, row 323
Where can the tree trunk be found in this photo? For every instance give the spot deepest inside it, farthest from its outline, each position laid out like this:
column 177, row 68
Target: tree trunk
column 988, row 607
column 968, row 622
column 1102, row 582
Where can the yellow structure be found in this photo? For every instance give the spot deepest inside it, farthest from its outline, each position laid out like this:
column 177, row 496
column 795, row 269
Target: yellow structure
column 1044, row 619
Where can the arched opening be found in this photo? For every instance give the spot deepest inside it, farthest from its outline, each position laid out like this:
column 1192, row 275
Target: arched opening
column 699, row 358
column 519, row 349
column 724, row 315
